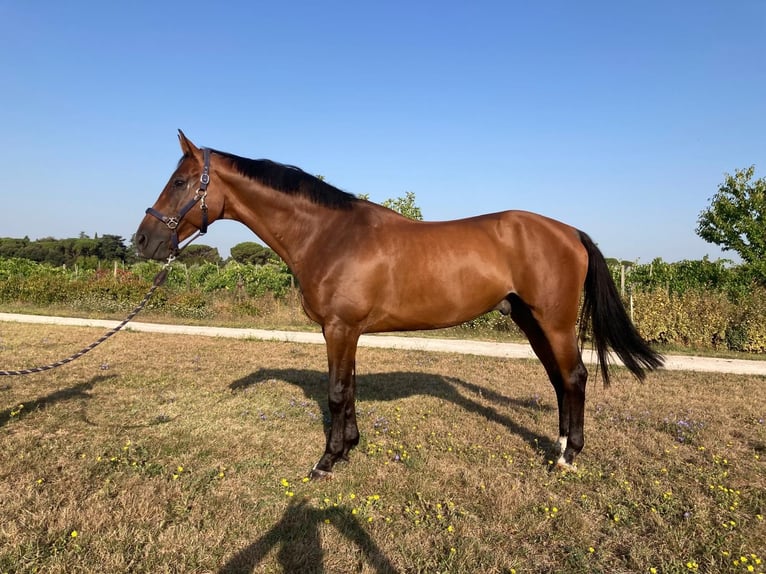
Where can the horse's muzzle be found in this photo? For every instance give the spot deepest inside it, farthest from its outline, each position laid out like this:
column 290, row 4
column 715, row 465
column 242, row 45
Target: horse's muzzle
column 151, row 243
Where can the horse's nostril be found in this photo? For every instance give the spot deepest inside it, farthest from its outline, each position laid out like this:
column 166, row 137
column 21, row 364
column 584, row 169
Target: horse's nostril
column 140, row 240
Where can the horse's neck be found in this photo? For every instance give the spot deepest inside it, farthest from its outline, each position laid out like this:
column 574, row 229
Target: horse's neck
column 290, row 224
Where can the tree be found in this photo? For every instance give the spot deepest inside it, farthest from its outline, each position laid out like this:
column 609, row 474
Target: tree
column 199, row 253
column 82, row 250
column 11, row 247
column 253, row 253
column 111, row 247
column 81, row 247
column 736, row 219
column 403, row 205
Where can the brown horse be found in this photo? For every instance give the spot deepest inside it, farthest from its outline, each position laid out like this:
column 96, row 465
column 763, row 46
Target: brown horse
column 363, row 268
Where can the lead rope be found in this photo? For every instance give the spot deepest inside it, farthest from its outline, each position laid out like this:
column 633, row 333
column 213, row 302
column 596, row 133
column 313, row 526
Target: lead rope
column 158, row 280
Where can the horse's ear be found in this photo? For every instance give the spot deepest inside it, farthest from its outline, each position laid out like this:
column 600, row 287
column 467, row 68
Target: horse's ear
column 186, row 145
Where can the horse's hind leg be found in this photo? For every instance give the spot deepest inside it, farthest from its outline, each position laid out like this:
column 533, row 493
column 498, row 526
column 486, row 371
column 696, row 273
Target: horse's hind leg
column 572, row 411
column 558, row 352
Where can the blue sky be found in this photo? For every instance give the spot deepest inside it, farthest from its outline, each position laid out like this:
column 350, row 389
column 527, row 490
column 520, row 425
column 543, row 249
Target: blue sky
column 620, row 118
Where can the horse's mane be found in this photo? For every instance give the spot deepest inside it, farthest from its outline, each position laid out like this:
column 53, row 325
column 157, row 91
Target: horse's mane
column 291, row 180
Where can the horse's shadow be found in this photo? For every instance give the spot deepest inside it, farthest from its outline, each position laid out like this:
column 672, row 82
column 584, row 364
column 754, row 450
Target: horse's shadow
column 298, row 536
column 78, row 391
column 398, row 385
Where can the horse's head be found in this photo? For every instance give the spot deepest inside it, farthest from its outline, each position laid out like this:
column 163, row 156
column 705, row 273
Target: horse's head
column 182, row 208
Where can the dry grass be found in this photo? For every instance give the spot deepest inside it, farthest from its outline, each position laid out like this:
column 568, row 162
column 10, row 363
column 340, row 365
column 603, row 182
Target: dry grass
column 158, row 453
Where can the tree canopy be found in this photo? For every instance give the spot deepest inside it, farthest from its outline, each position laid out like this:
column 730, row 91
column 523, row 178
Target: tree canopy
column 735, row 219
column 404, row 205
column 253, row 253
column 82, row 250
column 199, row 253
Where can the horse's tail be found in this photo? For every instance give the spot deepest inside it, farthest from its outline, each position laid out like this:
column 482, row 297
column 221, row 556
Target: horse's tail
column 604, row 312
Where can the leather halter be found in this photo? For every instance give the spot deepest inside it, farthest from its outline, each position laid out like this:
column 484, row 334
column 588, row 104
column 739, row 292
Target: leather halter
column 173, row 222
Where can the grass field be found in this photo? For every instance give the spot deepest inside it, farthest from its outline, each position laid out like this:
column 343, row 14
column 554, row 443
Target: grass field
column 157, row 453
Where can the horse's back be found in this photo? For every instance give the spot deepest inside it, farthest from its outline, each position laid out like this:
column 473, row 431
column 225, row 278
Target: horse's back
column 515, row 241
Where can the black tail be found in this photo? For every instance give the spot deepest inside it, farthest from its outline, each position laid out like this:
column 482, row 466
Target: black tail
column 604, row 312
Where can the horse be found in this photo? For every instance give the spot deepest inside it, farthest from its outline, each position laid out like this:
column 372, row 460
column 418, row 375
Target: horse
column 363, row 268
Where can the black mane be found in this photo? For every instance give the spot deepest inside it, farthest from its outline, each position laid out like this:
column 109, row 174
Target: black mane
column 291, row 180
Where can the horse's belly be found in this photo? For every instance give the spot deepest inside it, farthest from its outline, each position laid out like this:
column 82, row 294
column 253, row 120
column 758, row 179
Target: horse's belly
column 433, row 303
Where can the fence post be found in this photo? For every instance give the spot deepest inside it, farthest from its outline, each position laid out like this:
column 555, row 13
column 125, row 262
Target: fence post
column 622, row 280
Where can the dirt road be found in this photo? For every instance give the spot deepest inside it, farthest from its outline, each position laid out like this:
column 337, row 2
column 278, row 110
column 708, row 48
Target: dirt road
column 485, row 348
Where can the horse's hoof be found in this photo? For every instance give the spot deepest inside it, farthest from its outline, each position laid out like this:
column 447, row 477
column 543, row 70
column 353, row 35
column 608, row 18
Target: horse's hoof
column 564, row 466
column 318, row 474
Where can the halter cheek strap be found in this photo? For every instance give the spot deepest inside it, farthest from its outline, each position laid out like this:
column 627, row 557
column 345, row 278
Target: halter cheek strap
column 173, row 222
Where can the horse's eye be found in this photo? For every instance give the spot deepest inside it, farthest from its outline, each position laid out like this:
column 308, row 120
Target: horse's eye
column 179, row 183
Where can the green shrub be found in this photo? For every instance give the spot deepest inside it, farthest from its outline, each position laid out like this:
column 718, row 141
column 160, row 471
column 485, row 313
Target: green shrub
column 653, row 313
column 748, row 323
column 190, row 305
column 492, row 321
column 702, row 319
column 255, row 280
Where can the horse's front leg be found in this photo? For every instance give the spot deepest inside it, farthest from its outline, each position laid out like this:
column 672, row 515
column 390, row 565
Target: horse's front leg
column 344, row 433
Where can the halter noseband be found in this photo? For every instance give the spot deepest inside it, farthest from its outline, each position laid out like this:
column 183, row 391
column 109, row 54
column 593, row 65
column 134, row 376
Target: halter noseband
column 174, row 221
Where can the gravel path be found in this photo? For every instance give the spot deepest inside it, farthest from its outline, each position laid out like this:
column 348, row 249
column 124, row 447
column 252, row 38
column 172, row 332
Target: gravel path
column 484, row 348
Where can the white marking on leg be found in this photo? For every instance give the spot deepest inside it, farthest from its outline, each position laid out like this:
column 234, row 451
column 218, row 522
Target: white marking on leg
column 561, row 463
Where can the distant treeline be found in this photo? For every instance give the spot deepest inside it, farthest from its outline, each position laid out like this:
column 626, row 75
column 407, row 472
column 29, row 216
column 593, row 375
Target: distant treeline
column 84, row 251
column 91, row 253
